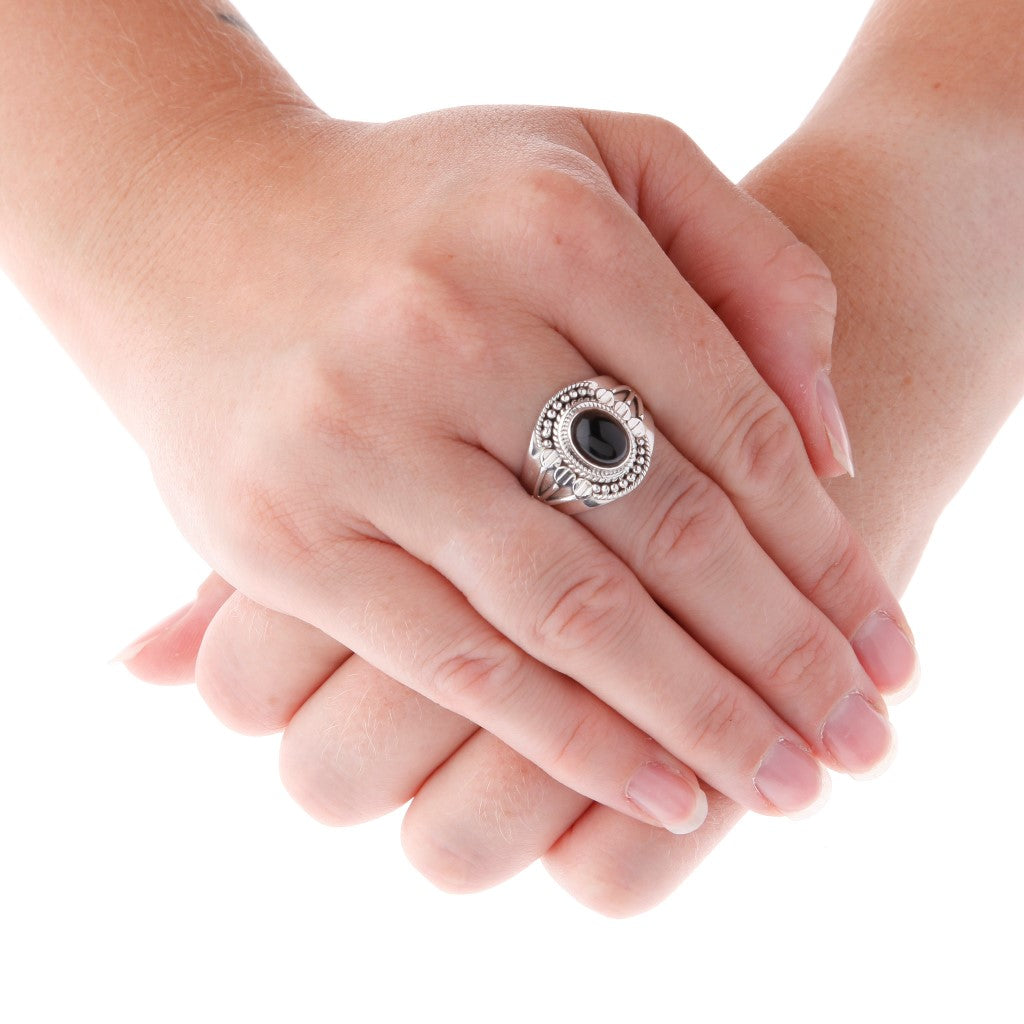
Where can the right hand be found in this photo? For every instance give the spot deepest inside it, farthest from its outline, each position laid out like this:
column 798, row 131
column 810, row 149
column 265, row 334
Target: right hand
column 341, row 441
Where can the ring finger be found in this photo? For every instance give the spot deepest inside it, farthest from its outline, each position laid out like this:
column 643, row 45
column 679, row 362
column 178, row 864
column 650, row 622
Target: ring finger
column 566, row 601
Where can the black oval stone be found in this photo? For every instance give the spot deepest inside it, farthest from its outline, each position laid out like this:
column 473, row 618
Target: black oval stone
column 600, row 438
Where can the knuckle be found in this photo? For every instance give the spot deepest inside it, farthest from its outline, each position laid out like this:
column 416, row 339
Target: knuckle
column 763, row 446
column 288, row 512
column 310, row 780
column 840, row 573
column 692, row 531
column 575, row 749
column 556, row 187
column 651, row 134
column 428, row 307
column 800, row 665
column 616, row 886
column 440, row 321
column 479, row 677
column 323, row 417
column 590, row 610
column 319, row 778
column 342, row 756
column 562, row 207
column 453, row 867
column 470, row 832
column 661, row 126
column 807, row 280
column 417, row 301
column 283, row 520
column 512, row 796
column 222, row 679
column 711, row 730
column 665, row 145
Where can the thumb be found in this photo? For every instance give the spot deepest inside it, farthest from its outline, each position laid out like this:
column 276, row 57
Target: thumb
column 167, row 653
column 771, row 291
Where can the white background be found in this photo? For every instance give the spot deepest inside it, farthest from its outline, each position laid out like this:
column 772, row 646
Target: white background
column 153, row 868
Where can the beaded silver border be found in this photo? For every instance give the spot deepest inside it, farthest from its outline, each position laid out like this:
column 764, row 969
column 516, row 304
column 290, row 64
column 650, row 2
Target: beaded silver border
column 558, row 473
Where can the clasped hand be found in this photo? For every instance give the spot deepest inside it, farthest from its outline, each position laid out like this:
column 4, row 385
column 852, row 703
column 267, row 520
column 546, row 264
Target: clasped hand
column 383, row 316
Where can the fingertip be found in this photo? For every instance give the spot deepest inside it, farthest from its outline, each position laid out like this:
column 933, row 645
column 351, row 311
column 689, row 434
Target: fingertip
column 834, row 424
column 166, row 653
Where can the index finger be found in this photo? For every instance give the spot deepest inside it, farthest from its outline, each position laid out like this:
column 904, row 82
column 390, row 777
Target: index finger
column 771, row 290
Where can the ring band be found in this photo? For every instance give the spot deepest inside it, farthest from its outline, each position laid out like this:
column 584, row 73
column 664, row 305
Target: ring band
column 590, row 446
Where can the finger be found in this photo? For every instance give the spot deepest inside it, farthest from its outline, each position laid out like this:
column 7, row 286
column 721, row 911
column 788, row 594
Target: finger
column 689, row 548
column 422, row 631
column 362, row 744
column 637, row 320
column 487, row 813
column 772, row 291
column 167, row 652
column 620, row 867
column 257, row 666
column 697, row 560
column 563, row 597
column 484, row 815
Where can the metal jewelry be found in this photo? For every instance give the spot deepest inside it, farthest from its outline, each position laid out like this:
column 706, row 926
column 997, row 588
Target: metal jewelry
column 590, row 446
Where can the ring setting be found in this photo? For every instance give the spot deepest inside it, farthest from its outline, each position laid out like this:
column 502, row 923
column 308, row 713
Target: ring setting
column 591, row 445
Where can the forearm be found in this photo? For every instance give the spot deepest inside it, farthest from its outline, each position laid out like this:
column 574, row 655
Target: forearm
column 105, row 108
column 956, row 63
column 907, row 178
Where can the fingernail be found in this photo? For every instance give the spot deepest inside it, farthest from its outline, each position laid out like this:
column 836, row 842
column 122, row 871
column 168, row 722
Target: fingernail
column 135, row 647
column 668, row 798
column 858, row 737
column 888, row 656
column 791, row 780
column 835, row 425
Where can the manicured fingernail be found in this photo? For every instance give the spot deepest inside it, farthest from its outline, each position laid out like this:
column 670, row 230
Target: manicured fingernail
column 888, row 656
column 858, row 737
column 135, row 647
column 791, row 780
column 668, row 798
column 835, row 425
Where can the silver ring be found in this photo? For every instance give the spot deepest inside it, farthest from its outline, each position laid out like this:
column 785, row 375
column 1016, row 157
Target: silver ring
column 590, row 446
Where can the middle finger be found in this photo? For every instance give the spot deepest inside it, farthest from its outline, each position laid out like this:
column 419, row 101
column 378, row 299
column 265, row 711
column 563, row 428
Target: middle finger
column 686, row 542
column 565, row 599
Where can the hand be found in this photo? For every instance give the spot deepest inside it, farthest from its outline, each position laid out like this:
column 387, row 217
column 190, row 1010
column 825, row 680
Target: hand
column 353, row 497
column 306, row 323
column 483, row 812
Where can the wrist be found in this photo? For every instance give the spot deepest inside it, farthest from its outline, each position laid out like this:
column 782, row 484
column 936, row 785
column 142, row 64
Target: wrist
column 108, row 269
column 927, row 355
column 150, row 116
column 942, row 211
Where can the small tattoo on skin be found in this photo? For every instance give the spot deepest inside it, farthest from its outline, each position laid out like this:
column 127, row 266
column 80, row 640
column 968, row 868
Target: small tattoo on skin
column 234, row 21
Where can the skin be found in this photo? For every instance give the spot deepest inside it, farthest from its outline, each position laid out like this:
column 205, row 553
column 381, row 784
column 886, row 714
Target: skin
column 882, row 179
column 837, row 610
column 288, row 311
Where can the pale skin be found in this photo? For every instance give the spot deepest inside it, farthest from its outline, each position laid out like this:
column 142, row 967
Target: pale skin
column 480, row 813
column 832, row 188
column 331, row 339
